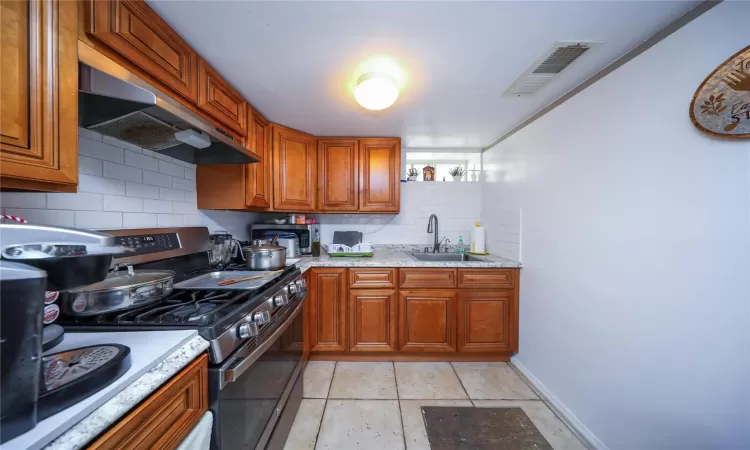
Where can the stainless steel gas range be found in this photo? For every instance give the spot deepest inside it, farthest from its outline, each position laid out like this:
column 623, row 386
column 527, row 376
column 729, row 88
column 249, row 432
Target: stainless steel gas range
column 256, row 355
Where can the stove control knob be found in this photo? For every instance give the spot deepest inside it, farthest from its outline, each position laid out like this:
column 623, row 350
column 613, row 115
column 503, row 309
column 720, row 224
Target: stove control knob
column 292, row 288
column 247, row 330
column 280, row 299
column 301, row 285
column 261, row 317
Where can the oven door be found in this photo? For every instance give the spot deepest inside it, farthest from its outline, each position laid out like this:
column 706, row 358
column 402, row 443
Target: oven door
column 248, row 395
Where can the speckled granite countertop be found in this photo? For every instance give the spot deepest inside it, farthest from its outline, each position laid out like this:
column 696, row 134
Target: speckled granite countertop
column 156, row 356
column 396, row 256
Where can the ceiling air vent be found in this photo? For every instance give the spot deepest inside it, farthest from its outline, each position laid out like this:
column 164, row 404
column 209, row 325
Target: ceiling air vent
column 547, row 68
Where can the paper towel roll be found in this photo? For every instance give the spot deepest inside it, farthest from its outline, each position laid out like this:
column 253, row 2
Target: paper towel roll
column 477, row 240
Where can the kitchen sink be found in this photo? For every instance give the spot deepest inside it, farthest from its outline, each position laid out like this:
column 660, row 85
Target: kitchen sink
column 444, row 257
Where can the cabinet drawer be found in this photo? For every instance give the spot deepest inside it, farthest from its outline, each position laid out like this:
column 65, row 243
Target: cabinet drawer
column 164, row 419
column 427, row 278
column 372, row 278
column 486, row 278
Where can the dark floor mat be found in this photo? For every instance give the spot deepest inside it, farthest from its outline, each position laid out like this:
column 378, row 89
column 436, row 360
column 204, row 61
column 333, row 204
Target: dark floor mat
column 452, row 428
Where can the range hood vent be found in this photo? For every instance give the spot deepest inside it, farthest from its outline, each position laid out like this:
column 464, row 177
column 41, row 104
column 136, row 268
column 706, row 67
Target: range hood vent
column 557, row 59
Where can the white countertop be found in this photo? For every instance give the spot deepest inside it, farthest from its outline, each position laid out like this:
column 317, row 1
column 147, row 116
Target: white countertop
column 155, row 357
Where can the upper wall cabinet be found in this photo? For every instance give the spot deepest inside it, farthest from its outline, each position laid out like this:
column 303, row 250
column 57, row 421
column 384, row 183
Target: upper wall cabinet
column 379, row 173
column 135, row 31
column 218, row 98
column 39, row 95
column 294, row 170
column 259, row 174
column 338, row 174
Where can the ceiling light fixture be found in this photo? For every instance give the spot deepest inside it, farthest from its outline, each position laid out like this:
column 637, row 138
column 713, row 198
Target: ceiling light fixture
column 376, row 91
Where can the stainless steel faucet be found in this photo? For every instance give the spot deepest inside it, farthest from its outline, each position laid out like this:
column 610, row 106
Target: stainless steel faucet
column 436, row 242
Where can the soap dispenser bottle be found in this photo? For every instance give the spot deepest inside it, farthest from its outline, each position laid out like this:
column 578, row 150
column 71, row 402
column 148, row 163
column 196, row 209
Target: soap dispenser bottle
column 460, row 247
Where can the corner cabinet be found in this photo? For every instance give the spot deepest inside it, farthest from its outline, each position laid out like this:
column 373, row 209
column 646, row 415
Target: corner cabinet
column 39, row 95
column 294, row 170
column 379, row 173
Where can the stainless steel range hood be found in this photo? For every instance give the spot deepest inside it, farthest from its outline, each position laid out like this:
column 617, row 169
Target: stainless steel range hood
column 114, row 102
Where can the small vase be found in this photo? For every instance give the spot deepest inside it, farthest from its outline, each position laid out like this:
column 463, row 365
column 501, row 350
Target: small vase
column 457, row 177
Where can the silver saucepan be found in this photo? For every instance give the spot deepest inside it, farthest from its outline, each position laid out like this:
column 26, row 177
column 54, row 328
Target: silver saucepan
column 265, row 257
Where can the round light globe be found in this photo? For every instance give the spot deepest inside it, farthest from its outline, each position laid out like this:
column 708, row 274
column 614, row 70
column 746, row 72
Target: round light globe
column 376, row 91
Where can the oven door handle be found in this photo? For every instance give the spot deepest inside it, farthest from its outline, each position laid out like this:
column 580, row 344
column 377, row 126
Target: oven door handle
column 230, row 371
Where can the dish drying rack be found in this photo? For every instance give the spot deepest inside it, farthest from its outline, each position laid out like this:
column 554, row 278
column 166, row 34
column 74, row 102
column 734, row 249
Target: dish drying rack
column 361, row 249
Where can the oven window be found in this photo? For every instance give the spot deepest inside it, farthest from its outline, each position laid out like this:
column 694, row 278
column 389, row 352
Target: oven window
column 248, row 405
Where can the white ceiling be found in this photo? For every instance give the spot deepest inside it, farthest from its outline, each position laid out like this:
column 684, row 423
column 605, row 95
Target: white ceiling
column 293, row 60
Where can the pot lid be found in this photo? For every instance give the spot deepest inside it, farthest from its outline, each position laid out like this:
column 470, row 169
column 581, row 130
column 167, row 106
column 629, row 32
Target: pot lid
column 131, row 278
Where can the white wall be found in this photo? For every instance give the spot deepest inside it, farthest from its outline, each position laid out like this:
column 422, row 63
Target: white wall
column 457, row 205
column 635, row 303
column 123, row 186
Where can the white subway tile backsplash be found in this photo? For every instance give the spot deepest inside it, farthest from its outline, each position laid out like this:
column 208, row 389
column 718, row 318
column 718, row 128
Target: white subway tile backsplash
column 100, row 150
column 171, row 220
column 157, row 206
column 141, row 190
column 141, row 161
column 90, row 166
column 171, row 194
column 190, row 173
column 184, row 208
column 122, row 172
column 123, row 204
column 98, row 220
column 183, row 184
column 44, row 216
column 139, row 220
column 77, row 202
column 157, row 179
column 162, row 156
column 191, row 197
column 23, row 200
column 169, row 168
column 193, row 221
column 100, row 185
column 121, row 144
column 88, row 134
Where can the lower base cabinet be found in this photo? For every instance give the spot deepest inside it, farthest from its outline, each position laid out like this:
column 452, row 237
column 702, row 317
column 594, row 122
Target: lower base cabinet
column 427, row 321
column 372, row 320
column 327, row 310
column 484, row 321
column 164, row 419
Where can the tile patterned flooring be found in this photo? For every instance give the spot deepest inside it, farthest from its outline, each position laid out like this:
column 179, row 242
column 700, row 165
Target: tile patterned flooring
column 362, row 406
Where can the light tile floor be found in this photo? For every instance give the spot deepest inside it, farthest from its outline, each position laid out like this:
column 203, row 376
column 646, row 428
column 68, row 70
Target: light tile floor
column 362, row 406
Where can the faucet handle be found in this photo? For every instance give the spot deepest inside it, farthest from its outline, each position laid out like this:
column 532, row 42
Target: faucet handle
column 447, row 243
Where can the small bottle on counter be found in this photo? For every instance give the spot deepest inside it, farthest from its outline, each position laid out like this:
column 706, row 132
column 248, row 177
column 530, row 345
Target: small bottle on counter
column 316, row 242
column 460, row 248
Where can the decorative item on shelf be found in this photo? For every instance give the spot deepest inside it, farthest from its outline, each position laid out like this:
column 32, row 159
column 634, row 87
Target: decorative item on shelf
column 457, row 173
column 721, row 105
column 474, row 173
column 412, row 174
column 428, row 173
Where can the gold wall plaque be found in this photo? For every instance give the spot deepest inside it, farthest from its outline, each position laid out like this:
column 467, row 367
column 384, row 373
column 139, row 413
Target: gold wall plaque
column 721, row 105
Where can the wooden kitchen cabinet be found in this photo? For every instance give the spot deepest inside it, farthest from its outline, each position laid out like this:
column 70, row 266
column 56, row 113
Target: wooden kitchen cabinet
column 327, row 303
column 136, row 32
column 484, row 321
column 294, row 170
column 219, row 99
column 427, row 278
column 380, row 175
column 39, row 95
column 427, row 321
column 372, row 320
column 338, row 175
column 372, row 277
column 259, row 174
column 165, row 418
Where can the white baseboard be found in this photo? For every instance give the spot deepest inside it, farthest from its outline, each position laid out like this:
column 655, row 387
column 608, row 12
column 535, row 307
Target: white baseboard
column 576, row 426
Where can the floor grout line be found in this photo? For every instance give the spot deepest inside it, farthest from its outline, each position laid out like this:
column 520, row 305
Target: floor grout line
column 398, row 402
column 325, row 406
column 462, row 383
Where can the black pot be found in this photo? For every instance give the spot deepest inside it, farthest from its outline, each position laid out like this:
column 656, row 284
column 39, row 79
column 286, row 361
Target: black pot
column 70, row 272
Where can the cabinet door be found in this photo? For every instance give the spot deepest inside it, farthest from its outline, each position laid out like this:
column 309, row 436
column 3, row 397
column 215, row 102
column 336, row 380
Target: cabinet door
column 294, row 170
column 218, row 98
column 259, row 174
column 338, row 175
column 39, row 95
column 135, row 31
column 372, row 320
column 327, row 301
column 427, row 321
column 379, row 174
column 484, row 321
